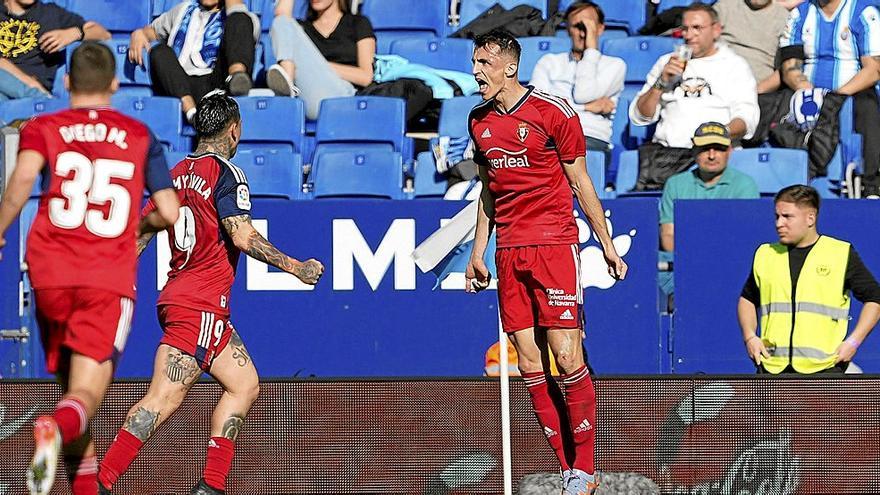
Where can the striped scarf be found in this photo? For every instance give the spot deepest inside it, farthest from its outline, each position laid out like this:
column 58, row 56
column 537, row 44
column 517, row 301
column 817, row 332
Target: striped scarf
column 211, row 36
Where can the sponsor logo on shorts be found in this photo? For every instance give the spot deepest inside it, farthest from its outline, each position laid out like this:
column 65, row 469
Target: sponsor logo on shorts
column 583, row 427
column 549, row 432
column 566, row 315
column 559, row 298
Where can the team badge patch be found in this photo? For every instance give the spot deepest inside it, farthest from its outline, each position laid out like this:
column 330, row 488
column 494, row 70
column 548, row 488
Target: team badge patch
column 522, row 131
column 243, row 197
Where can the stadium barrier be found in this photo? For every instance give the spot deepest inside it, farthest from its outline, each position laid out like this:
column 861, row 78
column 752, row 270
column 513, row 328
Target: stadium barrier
column 683, row 435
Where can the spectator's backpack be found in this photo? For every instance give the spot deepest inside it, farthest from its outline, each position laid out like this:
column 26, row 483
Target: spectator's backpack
column 820, row 142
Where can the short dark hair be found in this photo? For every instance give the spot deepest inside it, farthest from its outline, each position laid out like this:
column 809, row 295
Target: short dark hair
column 215, row 112
column 800, row 195
column 584, row 4
column 92, row 68
column 702, row 7
column 501, row 38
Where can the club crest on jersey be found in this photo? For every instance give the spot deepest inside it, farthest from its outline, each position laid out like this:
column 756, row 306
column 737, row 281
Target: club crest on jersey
column 522, row 131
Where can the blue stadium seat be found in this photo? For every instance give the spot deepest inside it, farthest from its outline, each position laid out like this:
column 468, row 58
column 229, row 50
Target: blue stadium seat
column 397, row 19
column 428, row 183
column 627, row 172
column 449, row 53
column 358, row 174
column 535, row 47
column 772, row 168
column 134, row 80
column 640, row 54
column 162, row 114
column 668, row 4
column 174, row 157
column 468, row 10
column 58, row 89
column 156, row 8
column 26, row 108
column 120, row 17
column 272, row 173
column 453, row 115
column 60, row 3
column 362, row 120
column 272, row 123
column 596, row 171
column 628, row 15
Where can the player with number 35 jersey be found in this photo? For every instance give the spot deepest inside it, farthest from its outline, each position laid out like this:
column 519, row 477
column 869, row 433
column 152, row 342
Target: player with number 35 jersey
column 82, row 262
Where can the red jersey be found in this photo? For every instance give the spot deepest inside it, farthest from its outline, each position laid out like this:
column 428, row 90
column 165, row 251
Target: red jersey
column 203, row 257
column 98, row 162
column 524, row 150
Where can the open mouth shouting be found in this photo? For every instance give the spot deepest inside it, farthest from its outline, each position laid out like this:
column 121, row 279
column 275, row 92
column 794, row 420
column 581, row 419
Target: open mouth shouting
column 483, row 85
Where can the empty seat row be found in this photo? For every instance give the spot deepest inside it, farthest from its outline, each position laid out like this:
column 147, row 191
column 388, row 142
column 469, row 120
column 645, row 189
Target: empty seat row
column 347, row 172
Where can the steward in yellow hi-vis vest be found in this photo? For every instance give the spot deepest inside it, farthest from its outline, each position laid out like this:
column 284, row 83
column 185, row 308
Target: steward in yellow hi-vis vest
column 794, row 308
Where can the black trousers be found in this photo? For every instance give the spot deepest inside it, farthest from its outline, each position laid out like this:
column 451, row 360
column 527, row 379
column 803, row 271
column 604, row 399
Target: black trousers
column 237, row 46
column 866, row 114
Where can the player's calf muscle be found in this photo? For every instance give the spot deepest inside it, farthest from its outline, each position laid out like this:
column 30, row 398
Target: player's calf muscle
column 232, row 426
column 141, row 423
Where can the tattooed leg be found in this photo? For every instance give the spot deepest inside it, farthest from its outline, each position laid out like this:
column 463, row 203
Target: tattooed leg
column 174, row 373
column 234, row 370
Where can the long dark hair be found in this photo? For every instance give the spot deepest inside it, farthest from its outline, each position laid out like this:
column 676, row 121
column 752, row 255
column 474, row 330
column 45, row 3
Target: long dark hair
column 312, row 14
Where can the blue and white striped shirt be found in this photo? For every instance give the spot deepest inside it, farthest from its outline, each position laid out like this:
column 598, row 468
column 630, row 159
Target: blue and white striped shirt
column 833, row 46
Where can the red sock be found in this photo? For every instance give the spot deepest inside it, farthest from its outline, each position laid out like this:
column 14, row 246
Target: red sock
column 580, row 397
column 83, row 474
column 548, row 415
column 122, row 451
column 219, row 461
column 70, row 416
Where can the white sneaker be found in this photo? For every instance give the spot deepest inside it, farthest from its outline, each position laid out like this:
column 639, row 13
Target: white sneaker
column 280, row 83
column 47, row 441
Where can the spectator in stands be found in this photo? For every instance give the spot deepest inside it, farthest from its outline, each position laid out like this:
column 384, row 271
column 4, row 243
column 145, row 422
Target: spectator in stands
column 680, row 94
column 34, row 36
column 203, row 46
column 751, row 28
column 804, row 331
column 712, row 179
column 330, row 54
column 835, row 44
column 589, row 81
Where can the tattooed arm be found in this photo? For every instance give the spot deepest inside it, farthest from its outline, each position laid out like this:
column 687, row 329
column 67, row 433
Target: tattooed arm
column 248, row 240
column 143, row 241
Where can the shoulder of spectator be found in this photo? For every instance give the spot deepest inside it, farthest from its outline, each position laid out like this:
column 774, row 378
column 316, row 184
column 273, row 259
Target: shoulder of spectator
column 672, row 186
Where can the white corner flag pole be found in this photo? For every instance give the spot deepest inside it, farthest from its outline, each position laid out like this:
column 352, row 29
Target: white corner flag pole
column 504, row 373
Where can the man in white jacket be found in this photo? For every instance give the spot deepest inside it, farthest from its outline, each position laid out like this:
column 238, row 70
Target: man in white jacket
column 590, row 81
column 715, row 85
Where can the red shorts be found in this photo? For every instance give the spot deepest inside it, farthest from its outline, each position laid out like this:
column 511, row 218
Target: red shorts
column 201, row 334
column 91, row 322
column 539, row 286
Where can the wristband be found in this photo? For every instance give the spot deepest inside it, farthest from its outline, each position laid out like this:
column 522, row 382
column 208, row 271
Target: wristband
column 662, row 86
column 82, row 33
column 851, row 341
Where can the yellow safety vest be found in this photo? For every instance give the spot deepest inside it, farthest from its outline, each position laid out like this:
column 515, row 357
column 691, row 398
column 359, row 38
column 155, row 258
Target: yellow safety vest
column 821, row 309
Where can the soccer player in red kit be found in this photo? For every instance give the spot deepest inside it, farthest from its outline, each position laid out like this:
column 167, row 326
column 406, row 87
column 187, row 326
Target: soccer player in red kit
column 214, row 225
column 95, row 164
column 530, row 149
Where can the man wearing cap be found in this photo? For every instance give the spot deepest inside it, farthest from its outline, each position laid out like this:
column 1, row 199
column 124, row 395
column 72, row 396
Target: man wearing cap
column 711, row 179
column 794, row 308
